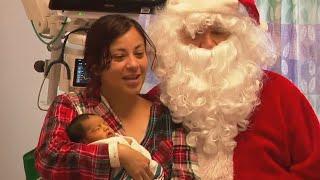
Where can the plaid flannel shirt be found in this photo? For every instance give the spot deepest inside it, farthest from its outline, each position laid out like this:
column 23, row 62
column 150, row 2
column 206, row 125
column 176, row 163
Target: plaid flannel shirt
column 59, row 158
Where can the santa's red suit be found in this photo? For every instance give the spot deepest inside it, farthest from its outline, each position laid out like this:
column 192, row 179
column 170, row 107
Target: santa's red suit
column 245, row 123
column 282, row 139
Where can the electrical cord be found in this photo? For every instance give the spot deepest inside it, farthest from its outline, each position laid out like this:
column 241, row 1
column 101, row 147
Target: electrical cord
column 45, row 36
column 41, row 37
column 60, row 60
column 38, row 101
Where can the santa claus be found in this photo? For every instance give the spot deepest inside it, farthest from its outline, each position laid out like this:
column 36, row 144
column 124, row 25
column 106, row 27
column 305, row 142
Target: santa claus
column 243, row 121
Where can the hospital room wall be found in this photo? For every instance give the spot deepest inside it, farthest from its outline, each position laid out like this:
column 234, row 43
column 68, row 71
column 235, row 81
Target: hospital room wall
column 21, row 121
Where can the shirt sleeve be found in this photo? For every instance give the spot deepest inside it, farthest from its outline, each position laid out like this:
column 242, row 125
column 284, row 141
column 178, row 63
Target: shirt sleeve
column 290, row 130
column 303, row 135
column 59, row 158
column 184, row 157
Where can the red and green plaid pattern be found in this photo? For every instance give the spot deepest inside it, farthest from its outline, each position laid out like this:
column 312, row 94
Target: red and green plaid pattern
column 59, row 158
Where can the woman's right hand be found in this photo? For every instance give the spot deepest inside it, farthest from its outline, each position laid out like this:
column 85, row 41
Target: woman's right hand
column 135, row 164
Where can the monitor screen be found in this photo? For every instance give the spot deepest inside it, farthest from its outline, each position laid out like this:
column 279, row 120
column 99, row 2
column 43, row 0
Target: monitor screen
column 117, row 6
column 80, row 76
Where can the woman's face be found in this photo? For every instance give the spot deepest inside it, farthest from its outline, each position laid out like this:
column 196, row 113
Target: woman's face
column 128, row 65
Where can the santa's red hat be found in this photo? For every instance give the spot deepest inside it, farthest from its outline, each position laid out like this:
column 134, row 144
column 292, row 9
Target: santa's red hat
column 231, row 7
column 251, row 9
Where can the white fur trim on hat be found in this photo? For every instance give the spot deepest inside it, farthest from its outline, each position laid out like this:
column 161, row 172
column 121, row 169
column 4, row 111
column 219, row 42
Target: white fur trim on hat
column 229, row 7
column 185, row 6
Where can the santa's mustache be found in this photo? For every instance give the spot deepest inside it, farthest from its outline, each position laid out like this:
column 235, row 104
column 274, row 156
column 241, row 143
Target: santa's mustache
column 199, row 69
column 208, row 59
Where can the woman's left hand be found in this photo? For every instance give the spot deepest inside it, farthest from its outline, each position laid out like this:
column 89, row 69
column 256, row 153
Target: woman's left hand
column 135, row 164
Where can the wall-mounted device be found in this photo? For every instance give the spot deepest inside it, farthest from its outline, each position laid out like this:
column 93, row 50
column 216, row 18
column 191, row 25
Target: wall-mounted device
column 118, row 6
column 80, row 75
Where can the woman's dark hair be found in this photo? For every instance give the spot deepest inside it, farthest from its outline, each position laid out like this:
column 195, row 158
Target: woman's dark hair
column 75, row 130
column 102, row 33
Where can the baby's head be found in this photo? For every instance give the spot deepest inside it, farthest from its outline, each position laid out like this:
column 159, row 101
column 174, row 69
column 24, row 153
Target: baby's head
column 87, row 128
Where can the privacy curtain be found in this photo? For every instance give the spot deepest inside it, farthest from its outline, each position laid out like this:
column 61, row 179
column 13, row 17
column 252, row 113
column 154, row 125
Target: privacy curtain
column 295, row 27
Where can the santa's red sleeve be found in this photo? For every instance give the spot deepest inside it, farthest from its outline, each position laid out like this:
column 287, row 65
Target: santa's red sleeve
column 283, row 138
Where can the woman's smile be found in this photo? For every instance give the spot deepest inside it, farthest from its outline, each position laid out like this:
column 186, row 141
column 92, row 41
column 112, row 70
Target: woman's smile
column 132, row 80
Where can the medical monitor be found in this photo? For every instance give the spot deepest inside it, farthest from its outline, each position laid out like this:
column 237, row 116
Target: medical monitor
column 80, row 76
column 116, row 6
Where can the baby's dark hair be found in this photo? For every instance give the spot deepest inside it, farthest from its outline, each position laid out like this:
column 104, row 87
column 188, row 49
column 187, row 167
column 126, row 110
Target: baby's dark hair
column 75, row 130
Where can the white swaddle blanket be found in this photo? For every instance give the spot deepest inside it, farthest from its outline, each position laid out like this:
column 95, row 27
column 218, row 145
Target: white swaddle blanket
column 154, row 166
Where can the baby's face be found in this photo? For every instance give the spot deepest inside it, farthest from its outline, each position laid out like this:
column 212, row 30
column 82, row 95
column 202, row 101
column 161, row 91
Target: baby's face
column 96, row 128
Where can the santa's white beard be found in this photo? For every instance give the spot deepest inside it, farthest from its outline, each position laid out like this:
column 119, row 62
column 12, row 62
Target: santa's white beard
column 212, row 92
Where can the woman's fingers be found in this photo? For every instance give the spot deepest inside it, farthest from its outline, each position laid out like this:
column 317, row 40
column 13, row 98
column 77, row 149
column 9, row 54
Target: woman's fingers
column 147, row 176
column 136, row 165
column 149, row 173
column 146, row 172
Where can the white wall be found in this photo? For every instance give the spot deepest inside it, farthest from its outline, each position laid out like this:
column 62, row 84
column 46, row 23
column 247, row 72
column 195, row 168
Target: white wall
column 21, row 121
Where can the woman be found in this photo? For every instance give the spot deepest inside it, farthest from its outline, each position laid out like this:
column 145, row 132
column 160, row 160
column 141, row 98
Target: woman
column 115, row 54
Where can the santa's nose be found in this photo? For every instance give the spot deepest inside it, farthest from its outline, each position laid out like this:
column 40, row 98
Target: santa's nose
column 206, row 41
